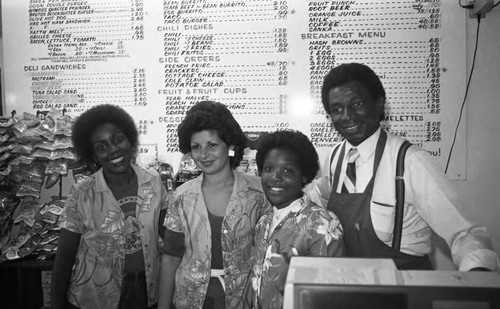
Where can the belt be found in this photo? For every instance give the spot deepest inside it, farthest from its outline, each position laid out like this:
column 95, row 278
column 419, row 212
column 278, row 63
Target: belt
column 219, row 274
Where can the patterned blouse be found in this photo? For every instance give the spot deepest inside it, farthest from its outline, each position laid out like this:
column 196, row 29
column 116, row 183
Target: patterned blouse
column 188, row 216
column 307, row 230
column 93, row 212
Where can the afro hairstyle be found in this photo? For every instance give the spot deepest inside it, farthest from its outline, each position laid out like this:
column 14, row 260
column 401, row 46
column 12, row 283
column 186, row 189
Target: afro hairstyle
column 295, row 142
column 352, row 72
column 92, row 119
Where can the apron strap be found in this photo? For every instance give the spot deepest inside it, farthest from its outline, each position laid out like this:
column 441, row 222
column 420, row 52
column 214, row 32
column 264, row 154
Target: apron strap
column 379, row 151
column 400, row 196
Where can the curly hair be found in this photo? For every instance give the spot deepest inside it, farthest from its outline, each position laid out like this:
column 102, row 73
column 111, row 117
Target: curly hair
column 93, row 118
column 295, row 142
column 210, row 115
column 351, row 72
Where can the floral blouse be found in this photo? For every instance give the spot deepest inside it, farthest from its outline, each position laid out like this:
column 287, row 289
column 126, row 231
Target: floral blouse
column 93, row 212
column 188, row 216
column 307, row 230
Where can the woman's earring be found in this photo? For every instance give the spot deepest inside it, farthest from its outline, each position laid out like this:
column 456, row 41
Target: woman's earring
column 231, row 151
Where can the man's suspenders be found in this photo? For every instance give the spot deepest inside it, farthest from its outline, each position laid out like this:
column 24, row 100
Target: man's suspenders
column 400, row 192
column 400, row 196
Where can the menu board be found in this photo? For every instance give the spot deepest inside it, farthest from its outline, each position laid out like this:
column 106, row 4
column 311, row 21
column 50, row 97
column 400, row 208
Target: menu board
column 265, row 60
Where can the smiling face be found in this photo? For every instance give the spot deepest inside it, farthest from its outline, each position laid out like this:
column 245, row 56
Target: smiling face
column 209, row 152
column 112, row 149
column 281, row 177
column 355, row 114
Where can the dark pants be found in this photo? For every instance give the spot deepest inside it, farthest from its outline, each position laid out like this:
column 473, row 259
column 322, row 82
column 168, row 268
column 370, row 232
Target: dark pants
column 134, row 293
column 215, row 298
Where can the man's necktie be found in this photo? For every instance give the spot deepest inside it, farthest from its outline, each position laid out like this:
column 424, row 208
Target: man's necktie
column 350, row 173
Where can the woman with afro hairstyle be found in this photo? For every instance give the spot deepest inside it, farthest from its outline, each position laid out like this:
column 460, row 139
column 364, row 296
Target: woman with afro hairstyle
column 107, row 255
column 287, row 161
column 210, row 227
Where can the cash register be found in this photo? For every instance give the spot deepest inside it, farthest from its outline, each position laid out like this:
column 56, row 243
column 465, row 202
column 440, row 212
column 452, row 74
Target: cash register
column 355, row 283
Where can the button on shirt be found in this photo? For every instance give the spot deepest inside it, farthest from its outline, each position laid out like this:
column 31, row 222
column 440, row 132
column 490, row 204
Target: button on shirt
column 430, row 203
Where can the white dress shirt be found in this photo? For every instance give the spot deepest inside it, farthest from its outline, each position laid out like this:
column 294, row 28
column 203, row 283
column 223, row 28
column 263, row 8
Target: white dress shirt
column 430, row 203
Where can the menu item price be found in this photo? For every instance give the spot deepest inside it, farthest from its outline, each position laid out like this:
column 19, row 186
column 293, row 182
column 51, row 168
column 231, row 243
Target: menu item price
column 433, row 74
column 433, row 131
column 143, row 125
column 139, row 86
column 147, row 154
column 282, row 126
column 282, row 73
column 280, row 9
column 282, row 103
column 281, row 40
column 137, row 19
column 432, row 12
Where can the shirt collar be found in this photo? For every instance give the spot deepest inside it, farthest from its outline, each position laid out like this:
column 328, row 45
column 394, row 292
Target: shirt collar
column 294, row 207
column 367, row 148
column 100, row 182
column 101, row 185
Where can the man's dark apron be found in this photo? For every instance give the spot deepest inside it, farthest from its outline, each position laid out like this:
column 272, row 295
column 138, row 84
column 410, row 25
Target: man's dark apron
column 353, row 211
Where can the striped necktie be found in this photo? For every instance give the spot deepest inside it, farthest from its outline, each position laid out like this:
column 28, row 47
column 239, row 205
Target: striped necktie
column 350, row 173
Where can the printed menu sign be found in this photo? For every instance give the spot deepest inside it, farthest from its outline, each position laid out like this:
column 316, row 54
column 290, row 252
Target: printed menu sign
column 265, row 60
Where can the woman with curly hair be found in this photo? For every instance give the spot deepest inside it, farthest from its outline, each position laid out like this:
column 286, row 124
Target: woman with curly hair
column 210, row 226
column 287, row 161
column 107, row 255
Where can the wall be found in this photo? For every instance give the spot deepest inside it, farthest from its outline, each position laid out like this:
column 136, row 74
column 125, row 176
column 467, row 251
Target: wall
column 481, row 187
column 268, row 81
column 479, row 191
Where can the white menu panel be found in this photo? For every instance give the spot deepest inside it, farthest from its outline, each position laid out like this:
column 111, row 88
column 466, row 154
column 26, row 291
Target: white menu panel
column 264, row 59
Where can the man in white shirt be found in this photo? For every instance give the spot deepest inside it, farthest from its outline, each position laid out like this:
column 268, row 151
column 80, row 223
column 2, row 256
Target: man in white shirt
column 365, row 198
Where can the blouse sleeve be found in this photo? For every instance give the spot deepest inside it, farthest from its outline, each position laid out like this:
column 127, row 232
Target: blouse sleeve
column 327, row 237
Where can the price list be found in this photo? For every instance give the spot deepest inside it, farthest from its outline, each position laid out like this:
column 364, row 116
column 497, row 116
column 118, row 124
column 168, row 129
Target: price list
column 402, row 41
column 265, row 60
column 235, row 52
column 72, row 43
column 74, row 31
column 74, row 91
